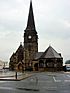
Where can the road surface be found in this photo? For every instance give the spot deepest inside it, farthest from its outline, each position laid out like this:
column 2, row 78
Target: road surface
column 44, row 82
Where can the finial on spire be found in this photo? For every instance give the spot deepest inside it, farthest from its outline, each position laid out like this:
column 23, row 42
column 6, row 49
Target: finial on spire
column 49, row 45
column 30, row 22
column 20, row 43
column 30, row 0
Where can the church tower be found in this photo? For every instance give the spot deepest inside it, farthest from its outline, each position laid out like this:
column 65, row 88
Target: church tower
column 30, row 39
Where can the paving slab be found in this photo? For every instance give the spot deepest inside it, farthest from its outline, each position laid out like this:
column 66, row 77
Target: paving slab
column 12, row 76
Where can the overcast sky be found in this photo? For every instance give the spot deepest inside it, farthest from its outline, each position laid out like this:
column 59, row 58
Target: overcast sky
column 52, row 20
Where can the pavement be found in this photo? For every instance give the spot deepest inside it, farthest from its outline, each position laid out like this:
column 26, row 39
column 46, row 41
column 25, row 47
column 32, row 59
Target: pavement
column 13, row 76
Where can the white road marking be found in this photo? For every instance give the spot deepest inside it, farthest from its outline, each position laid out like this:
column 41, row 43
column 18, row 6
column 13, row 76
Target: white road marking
column 66, row 80
column 60, row 80
column 56, row 80
column 68, row 76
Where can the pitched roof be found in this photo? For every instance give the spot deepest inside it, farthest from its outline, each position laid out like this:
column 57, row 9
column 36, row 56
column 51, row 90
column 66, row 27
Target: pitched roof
column 31, row 22
column 38, row 55
column 50, row 53
column 20, row 48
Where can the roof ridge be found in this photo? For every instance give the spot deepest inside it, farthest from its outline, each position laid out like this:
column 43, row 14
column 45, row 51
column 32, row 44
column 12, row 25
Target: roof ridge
column 50, row 53
column 55, row 51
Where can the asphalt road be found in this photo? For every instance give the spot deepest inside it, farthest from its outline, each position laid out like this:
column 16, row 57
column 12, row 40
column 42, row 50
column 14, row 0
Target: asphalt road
column 44, row 82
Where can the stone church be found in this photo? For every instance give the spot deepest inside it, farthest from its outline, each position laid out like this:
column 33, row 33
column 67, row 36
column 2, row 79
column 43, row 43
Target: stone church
column 27, row 56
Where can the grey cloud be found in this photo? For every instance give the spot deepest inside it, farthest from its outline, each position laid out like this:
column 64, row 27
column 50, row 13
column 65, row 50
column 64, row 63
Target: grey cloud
column 48, row 13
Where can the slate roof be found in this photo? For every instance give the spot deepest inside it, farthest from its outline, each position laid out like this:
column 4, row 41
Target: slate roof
column 50, row 53
column 38, row 55
column 20, row 48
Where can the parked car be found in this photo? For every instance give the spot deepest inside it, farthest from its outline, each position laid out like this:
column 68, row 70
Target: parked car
column 67, row 65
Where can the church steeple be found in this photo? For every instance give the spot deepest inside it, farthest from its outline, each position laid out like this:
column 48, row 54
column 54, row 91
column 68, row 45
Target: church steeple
column 30, row 38
column 30, row 22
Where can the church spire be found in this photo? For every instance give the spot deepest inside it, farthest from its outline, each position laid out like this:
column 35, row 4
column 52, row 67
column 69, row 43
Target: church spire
column 30, row 22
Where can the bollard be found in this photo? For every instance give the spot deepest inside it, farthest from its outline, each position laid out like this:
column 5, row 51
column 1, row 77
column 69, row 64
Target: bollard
column 16, row 75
